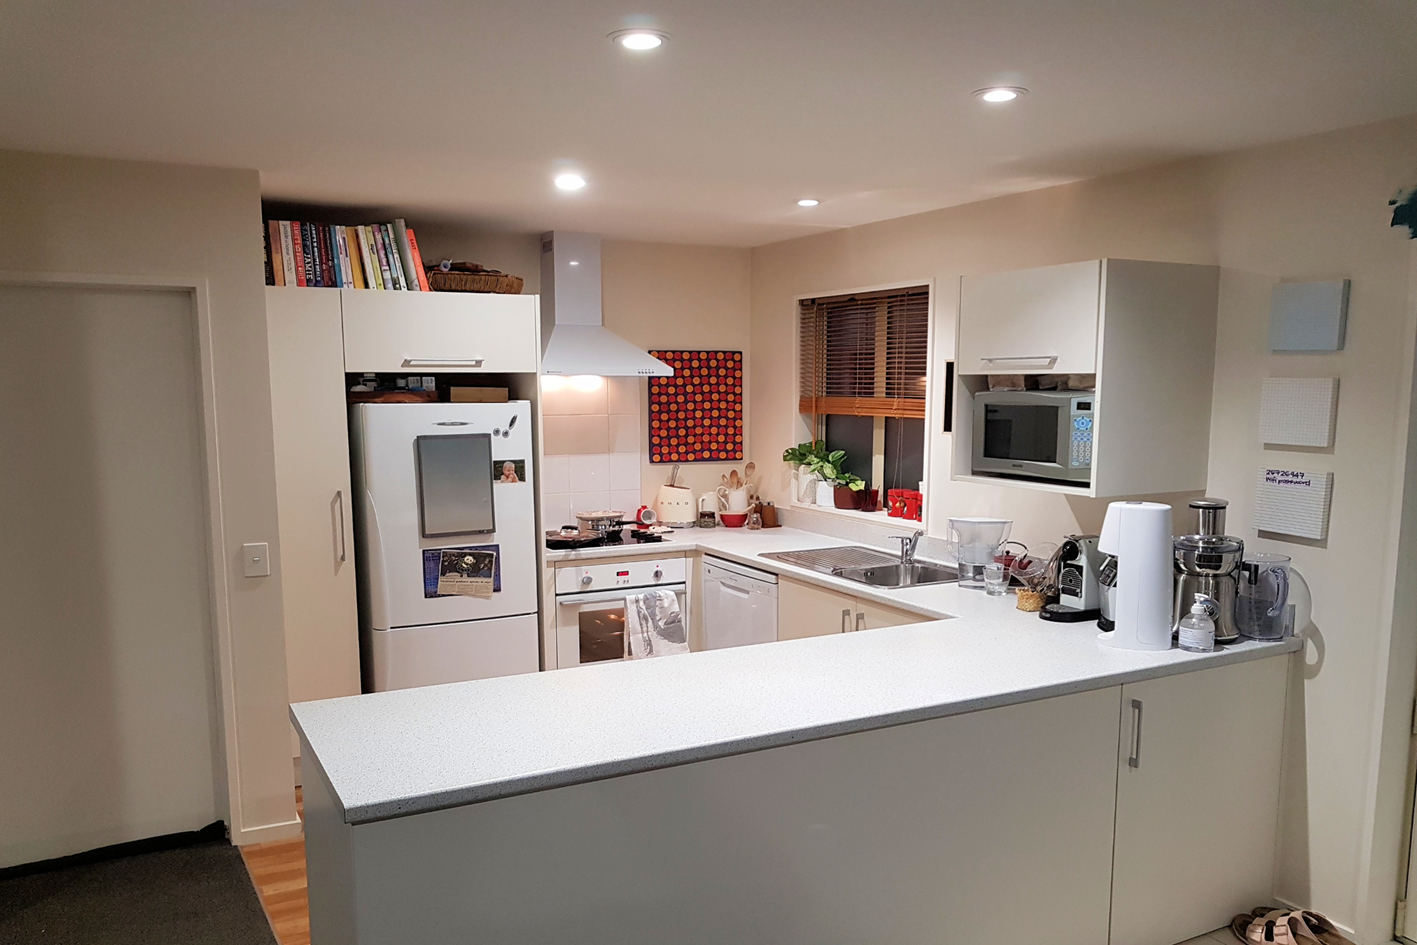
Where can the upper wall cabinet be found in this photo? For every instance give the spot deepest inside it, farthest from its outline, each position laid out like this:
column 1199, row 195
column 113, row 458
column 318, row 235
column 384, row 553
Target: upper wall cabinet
column 1145, row 329
column 404, row 332
column 1033, row 321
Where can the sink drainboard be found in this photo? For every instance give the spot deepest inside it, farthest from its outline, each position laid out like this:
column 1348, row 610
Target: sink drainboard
column 828, row 560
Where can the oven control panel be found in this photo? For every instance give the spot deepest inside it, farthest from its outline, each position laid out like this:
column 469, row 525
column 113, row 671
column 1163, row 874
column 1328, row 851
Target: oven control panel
column 641, row 572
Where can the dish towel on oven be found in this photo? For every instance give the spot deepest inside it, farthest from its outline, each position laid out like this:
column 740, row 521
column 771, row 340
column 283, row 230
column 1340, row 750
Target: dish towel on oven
column 653, row 625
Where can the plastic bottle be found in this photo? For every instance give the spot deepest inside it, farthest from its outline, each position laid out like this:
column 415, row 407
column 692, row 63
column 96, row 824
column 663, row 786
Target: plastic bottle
column 1196, row 632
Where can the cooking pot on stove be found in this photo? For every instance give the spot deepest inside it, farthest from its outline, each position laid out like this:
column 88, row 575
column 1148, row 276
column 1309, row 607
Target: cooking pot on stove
column 601, row 522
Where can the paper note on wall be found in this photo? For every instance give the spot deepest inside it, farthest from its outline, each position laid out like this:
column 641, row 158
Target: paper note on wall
column 1293, row 502
column 1299, row 411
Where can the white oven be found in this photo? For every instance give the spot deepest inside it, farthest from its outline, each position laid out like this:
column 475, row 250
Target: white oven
column 590, row 605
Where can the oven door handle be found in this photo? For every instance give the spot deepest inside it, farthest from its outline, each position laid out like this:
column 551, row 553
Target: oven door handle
column 574, row 599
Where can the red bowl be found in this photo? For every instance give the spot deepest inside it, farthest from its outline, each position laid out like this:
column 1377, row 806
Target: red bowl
column 733, row 519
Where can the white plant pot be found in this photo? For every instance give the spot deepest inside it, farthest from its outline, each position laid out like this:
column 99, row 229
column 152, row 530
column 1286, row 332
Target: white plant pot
column 806, row 486
column 826, row 494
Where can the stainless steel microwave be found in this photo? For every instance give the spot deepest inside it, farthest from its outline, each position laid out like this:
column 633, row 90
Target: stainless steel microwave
column 1039, row 434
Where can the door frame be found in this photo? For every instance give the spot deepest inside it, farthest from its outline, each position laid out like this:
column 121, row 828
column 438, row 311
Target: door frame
column 219, row 590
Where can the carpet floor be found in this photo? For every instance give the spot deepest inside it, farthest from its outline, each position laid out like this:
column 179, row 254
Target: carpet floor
column 195, row 894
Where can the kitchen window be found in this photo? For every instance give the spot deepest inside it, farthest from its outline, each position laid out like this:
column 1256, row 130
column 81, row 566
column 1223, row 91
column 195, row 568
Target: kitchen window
column 862, row 383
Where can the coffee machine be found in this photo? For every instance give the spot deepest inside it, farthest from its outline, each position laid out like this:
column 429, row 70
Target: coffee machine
column 1079, row 593
column 1208, row 563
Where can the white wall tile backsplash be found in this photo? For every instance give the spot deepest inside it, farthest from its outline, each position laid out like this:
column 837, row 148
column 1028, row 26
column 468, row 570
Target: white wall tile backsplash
column 623, row 396
column 589, row 472
column 587, row 433
column 624, row 470
column 573, row 401
column 554, row 474
column 592, row 449
column 624, row 433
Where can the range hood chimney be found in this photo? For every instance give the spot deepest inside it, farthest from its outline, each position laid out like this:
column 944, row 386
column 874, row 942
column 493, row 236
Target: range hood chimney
column 576, row 341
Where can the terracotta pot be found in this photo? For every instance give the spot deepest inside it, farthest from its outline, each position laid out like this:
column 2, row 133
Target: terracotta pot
column 847, row 498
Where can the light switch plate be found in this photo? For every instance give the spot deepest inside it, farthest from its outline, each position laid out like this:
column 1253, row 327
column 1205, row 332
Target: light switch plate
column 258, row 559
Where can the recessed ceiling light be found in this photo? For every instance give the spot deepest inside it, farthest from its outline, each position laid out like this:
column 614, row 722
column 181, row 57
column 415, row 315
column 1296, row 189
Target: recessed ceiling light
column 807, row 202
column 639, row 40
column 570, row 181
column 575, row 262
column 1000, row 93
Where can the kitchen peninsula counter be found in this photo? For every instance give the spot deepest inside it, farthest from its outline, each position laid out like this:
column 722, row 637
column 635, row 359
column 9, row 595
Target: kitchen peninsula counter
column 910, row 784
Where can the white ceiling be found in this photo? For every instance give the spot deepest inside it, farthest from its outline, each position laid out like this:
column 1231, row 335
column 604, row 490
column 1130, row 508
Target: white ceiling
column 466, row 110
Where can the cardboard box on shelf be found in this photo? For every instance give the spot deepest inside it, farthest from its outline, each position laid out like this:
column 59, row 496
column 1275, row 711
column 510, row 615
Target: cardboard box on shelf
column 478, row 395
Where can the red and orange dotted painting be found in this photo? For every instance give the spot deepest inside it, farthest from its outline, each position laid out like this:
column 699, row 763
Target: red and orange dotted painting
column 696, row 416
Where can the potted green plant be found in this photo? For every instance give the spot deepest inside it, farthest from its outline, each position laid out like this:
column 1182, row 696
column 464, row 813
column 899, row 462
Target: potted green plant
column 848, row 489
column 808, row 459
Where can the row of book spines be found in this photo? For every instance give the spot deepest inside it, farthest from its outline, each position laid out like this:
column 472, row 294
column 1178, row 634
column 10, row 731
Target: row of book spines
column 372, row 256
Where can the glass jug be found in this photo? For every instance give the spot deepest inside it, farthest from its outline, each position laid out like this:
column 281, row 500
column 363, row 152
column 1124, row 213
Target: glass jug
column 1262, row 609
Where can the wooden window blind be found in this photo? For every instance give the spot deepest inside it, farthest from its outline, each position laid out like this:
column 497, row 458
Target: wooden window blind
column 864, row 355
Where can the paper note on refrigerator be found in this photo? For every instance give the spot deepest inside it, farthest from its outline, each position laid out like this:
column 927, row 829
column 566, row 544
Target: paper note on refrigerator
column 1293, row 502
column 466, row 573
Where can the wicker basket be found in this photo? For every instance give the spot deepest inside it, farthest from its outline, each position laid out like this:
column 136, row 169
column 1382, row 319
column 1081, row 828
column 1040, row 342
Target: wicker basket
column 490, row 281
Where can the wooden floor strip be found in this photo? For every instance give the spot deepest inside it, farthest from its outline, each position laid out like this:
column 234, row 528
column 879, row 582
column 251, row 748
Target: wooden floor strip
column 278, row 872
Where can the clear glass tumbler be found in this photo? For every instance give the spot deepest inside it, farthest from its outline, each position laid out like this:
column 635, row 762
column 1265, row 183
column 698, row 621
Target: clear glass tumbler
column 996, row 579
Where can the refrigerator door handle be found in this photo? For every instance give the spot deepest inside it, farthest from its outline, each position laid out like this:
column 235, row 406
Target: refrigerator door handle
column 341, row 551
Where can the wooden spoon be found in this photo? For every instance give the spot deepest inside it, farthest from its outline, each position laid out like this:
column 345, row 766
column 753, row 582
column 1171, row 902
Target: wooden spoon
column 748, row 472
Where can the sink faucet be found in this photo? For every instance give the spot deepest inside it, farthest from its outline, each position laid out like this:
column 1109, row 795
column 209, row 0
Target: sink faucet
column 907, row 547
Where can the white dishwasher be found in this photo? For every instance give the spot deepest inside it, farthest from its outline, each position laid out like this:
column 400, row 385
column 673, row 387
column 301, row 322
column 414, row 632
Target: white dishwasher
column 740, row 604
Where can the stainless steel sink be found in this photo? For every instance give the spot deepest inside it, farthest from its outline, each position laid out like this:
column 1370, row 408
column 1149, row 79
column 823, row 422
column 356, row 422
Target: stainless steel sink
column 898, row 575
column 832, row 560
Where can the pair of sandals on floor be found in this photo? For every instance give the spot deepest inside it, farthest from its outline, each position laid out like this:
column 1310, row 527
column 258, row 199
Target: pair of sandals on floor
column 1264, row 926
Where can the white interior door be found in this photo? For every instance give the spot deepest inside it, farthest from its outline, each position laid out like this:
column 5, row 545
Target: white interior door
column 107, row 687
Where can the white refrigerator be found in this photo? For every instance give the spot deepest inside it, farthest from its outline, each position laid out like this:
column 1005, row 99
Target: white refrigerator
column 435, row 477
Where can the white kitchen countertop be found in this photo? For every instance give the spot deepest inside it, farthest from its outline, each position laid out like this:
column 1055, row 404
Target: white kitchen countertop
column 396, row 753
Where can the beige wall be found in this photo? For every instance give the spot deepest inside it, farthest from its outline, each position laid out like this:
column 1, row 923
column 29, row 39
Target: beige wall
column 1309, row 209
column 660, row 295
column 79, row 215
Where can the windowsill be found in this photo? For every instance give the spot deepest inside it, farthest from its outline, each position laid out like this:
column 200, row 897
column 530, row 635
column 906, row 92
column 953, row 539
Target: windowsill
column 880, row 519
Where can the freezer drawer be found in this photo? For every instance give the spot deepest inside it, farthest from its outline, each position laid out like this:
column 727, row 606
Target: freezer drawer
column 450, row 652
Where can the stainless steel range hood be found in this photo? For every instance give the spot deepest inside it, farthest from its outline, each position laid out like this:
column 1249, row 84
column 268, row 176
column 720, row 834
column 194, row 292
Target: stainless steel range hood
column 575, row 340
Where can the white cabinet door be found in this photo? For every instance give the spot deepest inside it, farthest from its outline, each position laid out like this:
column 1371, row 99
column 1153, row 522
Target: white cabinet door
column 312, row 492
column 1031, row 321
column 1197, row 800
column 806, row 610
column 431, row 332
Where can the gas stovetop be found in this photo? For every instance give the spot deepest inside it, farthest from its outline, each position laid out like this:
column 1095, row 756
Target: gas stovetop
column 558, row 541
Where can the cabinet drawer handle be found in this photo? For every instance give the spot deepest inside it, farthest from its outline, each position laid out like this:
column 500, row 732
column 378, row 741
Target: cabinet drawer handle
column 846, row 621
column 1135, row 760
column 442, row 362
column 1024, row 357
column 340, row 546
column 860, row 622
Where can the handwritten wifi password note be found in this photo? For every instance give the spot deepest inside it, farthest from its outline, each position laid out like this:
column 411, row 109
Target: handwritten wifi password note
column 1293, row 502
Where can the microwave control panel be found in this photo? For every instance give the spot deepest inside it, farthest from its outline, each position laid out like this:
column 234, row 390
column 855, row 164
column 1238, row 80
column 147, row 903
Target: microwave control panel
column 1080, row 455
